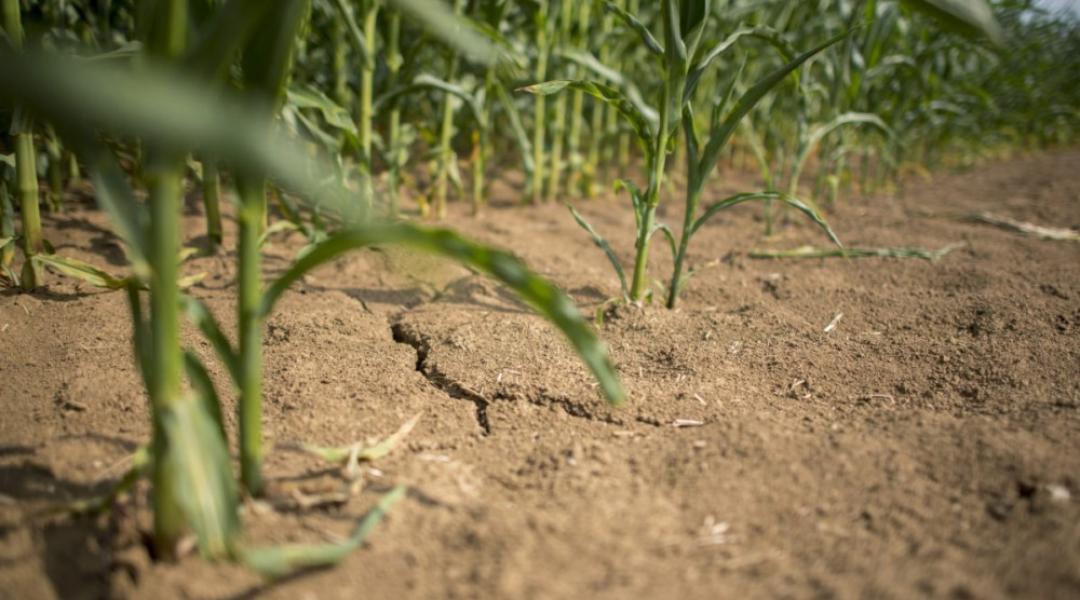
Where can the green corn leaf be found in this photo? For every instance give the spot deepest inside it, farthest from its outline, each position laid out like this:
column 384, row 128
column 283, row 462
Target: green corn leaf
column 669, row 235
column 204, row 390
column 425, row 82
column 441, row 22
column 970, row 17
column 330, row 143
column 267, row 59
column 303, row 95
column 721, row 106
column 722, row 131
column 633, row 23
column 674, row 46
column 773, row 37
column 589, row 61
column 693, row 15
column 761, row 196
column 890, row 63
column 637, row 118
column 168, row 110
column 507, row 51
column 717, row 114
column 848, row 118
column 200, row 316
column 631, row 91
column 279, row 561
column 603, row 245
column 521, row 137
column 140, row 335
column 544, row 297
column 227, row 33
column 636, row 199
column 693, row 140
column 73, row 267
column 818, row 133
column 115, row 196
column 206, row 490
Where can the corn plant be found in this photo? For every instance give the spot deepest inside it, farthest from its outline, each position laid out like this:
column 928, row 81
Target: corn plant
column 173, row 115
column 682, row 65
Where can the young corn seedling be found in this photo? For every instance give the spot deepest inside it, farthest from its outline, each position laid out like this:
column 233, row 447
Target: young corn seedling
column 682, row 61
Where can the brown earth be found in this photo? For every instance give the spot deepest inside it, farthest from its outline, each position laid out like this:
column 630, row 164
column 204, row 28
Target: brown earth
column 928, row 446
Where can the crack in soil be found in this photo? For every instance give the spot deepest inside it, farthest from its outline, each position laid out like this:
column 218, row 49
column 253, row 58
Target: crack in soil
column 568, row 406
column 420, row 344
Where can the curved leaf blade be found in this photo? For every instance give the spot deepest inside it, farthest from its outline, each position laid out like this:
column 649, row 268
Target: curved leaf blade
column 633, row 23
column 201, row 317
column 971, row 17
column 73, row 267
column 640, row 121
column 760, row 196
column 722, row 132
column 206, row 489
column 603, row 245
column 768, row 34
column 441, row 22
column 303, row 95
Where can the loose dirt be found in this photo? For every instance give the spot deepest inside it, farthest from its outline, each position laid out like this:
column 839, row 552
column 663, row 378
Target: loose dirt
column 928, row 445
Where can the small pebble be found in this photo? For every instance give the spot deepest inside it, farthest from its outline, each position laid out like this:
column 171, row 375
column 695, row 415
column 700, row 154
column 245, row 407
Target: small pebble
column 1059, row 493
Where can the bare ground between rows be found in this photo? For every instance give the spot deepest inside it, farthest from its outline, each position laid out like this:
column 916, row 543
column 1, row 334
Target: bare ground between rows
column 929, row 445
